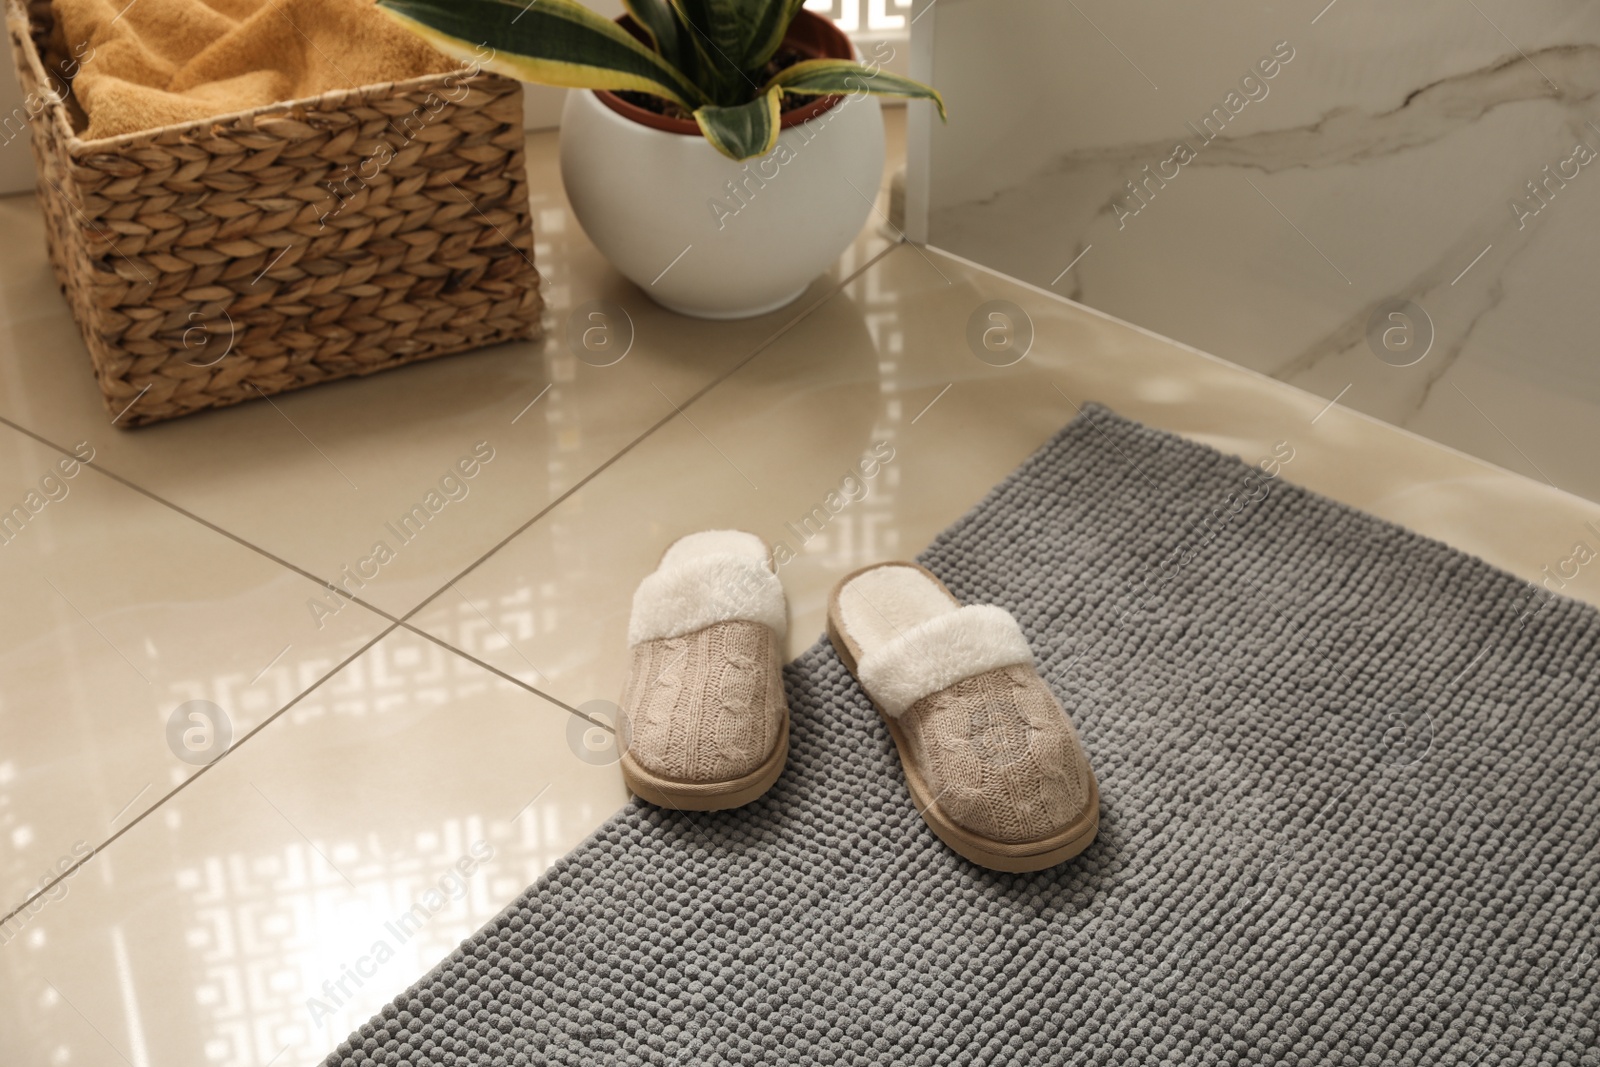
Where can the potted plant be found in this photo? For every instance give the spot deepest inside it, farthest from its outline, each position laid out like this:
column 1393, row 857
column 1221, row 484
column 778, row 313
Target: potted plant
column 728, row 150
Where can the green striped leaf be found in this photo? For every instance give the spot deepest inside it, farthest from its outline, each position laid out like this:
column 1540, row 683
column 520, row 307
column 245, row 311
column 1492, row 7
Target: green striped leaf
column 553, row 42
column 737, row 37
column 770, row 23
column 744, row 130
column 660, row 21
column 716, row 72
column 840, row 77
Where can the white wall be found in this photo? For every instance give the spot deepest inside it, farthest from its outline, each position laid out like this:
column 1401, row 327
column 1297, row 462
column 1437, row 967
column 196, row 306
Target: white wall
column 1378, row 164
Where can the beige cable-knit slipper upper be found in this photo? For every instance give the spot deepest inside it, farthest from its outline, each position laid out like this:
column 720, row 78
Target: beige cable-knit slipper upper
column 705, row 724
column 992, row 760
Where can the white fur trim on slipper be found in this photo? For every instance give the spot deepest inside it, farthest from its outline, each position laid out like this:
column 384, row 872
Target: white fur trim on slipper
column 694, row 593
column 940, row 652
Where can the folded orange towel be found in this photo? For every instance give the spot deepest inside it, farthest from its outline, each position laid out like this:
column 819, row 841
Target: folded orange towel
column 149, row 63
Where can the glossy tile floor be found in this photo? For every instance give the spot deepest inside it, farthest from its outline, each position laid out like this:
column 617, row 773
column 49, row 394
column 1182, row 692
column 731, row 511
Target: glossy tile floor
column 393, row 772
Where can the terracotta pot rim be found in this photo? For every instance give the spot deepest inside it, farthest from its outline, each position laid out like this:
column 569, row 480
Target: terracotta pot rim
column 689, row 128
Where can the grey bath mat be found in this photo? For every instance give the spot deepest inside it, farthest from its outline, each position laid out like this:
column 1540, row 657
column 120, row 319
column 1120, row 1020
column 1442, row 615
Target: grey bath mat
column 1349, row 816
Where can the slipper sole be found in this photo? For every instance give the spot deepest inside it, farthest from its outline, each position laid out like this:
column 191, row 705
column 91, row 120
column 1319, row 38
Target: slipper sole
column 1019, row 857
column 708, row 796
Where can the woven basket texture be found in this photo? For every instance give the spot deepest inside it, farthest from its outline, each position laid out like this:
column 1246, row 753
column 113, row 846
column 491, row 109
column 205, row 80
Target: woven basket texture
column 215, row 262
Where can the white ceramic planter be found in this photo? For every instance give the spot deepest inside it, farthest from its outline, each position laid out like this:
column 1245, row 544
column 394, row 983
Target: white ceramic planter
column 709, row 237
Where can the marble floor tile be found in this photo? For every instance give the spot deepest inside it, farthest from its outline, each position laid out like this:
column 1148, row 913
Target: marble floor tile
column 403, row 793
column 886, row 374
column 281, row 899
column 135, row 644
column 1433, row 154
column 322, row 477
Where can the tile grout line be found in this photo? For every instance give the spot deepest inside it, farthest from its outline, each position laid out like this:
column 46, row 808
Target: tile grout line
column 139, row 818
column 394, row 625
column 395, row 622
column 761, row 347
column 497, row 672
column 565, row 495
column 403, row 622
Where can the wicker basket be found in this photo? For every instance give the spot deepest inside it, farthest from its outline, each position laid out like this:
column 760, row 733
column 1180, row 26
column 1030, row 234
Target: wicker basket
column 219, row 261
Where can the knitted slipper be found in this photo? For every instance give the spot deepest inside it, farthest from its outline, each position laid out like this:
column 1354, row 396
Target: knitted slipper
column 704, row 723
column 993, row 763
